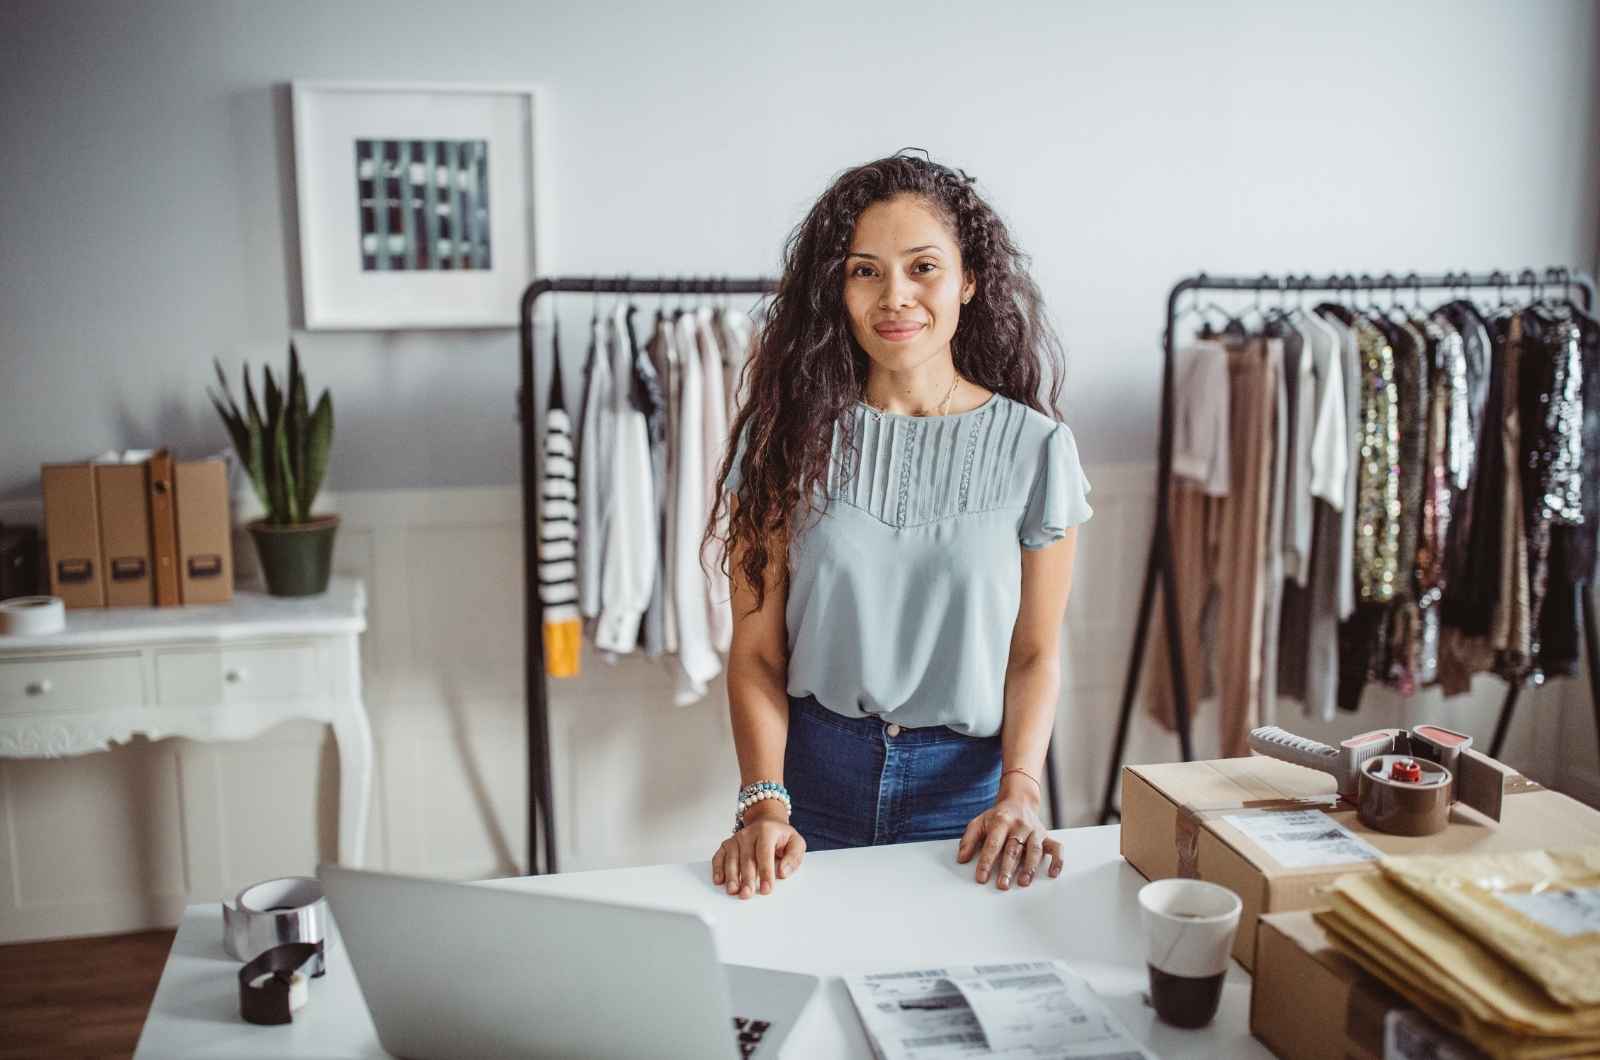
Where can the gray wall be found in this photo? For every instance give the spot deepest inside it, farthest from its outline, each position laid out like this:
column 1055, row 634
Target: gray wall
column 147, row 219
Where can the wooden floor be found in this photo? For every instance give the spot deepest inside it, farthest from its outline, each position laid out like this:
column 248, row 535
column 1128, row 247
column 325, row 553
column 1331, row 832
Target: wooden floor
column 78, row 997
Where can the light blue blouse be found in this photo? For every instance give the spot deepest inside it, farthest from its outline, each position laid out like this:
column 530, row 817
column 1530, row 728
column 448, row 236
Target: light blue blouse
column 904, row 590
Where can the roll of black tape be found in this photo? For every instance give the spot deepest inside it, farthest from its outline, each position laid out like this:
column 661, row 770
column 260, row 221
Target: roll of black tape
column 267, row 986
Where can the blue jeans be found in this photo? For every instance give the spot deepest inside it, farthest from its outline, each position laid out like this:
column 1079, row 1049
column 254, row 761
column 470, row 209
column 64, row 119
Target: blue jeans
column 854, row 783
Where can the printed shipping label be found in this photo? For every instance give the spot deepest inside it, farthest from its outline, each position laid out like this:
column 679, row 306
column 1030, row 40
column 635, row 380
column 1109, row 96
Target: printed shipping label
column 1569, row 912
column 1021, row 1010
column 1299, row 839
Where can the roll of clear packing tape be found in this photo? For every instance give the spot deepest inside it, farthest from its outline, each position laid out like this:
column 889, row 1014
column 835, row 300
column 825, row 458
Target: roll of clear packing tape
column 32, row 616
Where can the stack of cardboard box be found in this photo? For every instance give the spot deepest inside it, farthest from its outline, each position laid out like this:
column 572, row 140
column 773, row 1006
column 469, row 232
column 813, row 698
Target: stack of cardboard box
column 152, row 533
column 1277, row 834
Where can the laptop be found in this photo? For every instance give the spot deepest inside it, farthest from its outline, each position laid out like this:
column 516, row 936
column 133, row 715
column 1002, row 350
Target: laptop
column 464, row 970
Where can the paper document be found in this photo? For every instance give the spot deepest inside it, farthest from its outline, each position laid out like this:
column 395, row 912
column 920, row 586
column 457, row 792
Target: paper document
column 1034, row 1009
column 1300, row 839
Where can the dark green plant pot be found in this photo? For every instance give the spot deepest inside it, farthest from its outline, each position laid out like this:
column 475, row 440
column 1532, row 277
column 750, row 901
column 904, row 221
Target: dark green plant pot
column 297, row 558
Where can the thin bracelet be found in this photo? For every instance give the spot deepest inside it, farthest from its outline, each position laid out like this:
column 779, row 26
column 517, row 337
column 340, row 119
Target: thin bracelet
column 1024, row 772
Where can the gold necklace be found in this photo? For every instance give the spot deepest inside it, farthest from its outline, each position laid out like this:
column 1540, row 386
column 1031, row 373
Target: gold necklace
column 944, row 406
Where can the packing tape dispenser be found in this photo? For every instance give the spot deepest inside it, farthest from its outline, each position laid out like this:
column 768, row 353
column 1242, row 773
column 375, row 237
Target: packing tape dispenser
column 1401, row 782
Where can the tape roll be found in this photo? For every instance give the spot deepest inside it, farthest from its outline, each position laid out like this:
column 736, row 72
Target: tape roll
column 276, row 912
column 272, row 986
column 299, row 992
column 30, row 616
column 1419, row 806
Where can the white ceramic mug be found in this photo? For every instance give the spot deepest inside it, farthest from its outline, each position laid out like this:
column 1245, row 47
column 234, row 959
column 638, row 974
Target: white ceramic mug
column 1188, row 932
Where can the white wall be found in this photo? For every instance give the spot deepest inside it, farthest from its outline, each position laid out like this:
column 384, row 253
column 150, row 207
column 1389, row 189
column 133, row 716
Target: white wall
column 147, row 225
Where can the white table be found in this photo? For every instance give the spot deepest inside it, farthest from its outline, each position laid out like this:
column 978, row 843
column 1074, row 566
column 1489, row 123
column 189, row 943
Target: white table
column 225, row 671
column 846, row 911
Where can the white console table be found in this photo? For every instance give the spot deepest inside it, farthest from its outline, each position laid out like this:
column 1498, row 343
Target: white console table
column 208, row 672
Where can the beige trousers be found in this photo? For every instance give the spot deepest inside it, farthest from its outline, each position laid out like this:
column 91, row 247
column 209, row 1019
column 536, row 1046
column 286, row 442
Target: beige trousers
column 1220, row 552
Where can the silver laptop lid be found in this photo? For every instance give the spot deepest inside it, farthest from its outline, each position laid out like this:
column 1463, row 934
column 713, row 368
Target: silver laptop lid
column 461, row 970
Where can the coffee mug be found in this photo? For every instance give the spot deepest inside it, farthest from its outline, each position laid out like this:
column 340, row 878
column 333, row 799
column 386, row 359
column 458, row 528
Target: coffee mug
column 1188, row 933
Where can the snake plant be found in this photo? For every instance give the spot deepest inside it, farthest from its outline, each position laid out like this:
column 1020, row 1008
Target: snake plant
column 285, row 452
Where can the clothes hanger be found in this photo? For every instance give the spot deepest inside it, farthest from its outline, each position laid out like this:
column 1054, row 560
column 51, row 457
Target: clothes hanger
column 1386, row 282
column 1277, row 316
column 1538, row 304
column 1229, row 323
column 1561, row 278
column 1418, row 311
column 1353, row 285
column 627, row 294
column 1328, row 305
column 1370, row 305
column 1207, row 329
column 1499, row 280
column 1344, row 293
column 1262, row 283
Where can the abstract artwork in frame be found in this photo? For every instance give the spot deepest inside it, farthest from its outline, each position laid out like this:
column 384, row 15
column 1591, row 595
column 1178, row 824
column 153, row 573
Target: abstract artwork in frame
column 416, row 203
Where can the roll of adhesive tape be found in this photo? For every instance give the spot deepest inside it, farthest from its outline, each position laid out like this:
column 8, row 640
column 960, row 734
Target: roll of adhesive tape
column 30, row 616
column 298, row 991
column 1416, row 806
column 273, row 985
column 274, row 913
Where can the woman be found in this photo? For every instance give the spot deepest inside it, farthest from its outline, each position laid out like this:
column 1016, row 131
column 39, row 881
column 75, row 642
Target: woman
column 900, row 514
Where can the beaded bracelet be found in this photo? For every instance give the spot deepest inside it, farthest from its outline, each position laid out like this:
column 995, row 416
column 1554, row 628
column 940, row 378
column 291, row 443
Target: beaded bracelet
column 751, row 794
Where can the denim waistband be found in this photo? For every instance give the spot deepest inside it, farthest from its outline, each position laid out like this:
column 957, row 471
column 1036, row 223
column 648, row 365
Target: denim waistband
column 873, row 726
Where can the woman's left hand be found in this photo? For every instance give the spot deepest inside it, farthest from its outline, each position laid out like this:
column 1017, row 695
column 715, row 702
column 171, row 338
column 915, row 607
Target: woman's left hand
column 1009, row 840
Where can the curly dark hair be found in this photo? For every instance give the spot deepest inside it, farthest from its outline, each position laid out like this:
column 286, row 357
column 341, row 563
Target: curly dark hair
column 806, row 370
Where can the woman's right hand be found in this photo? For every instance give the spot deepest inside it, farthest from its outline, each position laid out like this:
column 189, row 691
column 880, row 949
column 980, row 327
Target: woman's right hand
column 766, row 849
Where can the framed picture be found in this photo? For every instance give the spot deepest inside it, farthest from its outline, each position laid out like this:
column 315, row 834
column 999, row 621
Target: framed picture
column 416, row 202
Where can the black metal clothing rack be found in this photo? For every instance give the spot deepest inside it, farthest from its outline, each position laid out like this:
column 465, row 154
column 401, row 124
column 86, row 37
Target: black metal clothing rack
column 537, row 691
column 1160, row 564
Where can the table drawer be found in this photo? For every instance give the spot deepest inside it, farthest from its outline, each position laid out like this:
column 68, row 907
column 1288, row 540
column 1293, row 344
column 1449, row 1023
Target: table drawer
column 70, row 682
column 274, row 673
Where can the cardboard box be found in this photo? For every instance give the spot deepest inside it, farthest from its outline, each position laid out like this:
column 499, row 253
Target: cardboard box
column 1310, row 1002
column 1175, row 823
column 72, row 534
column 205, row 532
column 125, row 562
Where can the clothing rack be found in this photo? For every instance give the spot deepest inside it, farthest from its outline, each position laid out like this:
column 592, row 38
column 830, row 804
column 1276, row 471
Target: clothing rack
column 1160, row 564
column 537, row 690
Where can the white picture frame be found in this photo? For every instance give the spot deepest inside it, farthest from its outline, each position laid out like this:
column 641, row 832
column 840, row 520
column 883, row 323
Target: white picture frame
column 416, row 202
